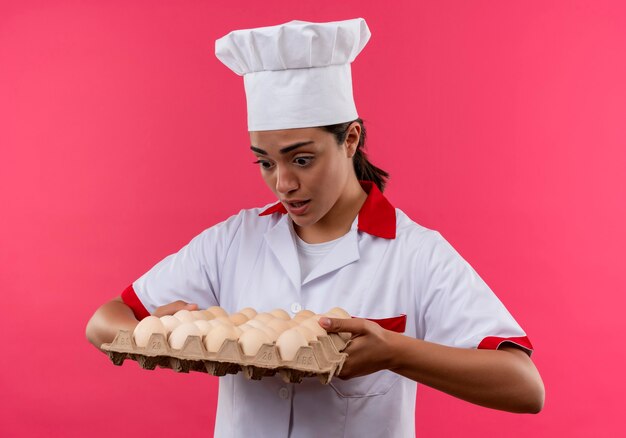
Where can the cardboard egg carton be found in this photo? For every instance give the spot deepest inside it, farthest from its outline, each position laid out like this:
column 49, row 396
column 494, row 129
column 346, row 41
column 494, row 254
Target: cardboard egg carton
column 322, row 358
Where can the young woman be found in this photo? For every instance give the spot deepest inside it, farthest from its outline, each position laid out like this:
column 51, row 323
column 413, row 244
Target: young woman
column 421, row 313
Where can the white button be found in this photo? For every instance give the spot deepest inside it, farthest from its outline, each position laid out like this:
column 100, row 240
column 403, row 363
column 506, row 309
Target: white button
column 296, row 307
column 283, row 393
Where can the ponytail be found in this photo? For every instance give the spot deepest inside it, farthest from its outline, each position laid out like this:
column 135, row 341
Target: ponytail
column 365, row 171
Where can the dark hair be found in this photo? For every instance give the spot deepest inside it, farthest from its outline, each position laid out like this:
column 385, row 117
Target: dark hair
column 365, row 171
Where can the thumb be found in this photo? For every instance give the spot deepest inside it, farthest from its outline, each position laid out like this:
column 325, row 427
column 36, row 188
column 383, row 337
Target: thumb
column 336, row 325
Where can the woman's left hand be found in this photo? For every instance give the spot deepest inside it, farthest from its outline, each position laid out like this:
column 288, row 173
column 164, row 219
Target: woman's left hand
column 370, row 349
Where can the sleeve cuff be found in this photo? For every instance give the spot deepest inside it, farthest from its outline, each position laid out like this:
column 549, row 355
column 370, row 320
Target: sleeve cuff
column 493, row 343
column 129, row 296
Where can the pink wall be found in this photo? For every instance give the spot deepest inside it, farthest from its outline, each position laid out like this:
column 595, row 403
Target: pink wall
column 122, row 137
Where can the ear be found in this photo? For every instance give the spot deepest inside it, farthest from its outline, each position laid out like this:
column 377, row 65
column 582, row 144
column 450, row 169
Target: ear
column 352, row 139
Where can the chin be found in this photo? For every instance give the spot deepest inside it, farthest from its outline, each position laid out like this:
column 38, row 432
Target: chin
column 302, row 221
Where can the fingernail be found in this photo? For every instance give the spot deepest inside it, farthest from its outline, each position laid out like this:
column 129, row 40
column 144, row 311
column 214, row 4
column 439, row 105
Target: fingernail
column 325, row 322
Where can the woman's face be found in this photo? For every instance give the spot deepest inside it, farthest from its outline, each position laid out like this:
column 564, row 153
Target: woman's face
column 305, row 168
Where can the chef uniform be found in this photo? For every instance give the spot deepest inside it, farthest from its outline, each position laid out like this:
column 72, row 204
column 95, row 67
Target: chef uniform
column 386, row 268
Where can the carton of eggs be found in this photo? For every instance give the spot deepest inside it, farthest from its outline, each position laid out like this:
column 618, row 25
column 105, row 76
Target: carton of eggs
column 257, row 343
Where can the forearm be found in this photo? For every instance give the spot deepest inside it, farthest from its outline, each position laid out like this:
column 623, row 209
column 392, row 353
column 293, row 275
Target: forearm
column 108, row 320
column 503, row 379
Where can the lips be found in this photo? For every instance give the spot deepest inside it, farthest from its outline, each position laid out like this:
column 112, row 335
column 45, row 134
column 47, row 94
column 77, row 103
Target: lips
column 297, row 206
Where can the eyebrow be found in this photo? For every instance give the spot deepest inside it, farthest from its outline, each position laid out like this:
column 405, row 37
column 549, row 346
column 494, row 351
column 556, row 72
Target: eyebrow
column 284, row 150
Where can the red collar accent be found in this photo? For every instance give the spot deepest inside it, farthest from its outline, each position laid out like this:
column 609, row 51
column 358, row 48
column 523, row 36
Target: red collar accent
column 377, row 216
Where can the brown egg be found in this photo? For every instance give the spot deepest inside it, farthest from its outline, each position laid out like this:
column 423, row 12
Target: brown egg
column 307, row 333
column 224, row 319
column 184, row 316
column 204, row 326
column 207, row 315
column 249, row 312
column 271, row 333
column 216, row 337
column 252, row 340
column 256, row 324
column 289, row 342
column 238, row 318
column 170, row 322
column 304, row 313
column 179, row 334
column 264, row 317
column 339, row 313
column 245, row 327
column 217, row 311
column 218, row 322
column 281, row 314
column 313, row 325
column 146, row 327
column 279, row 325
column 200, row 314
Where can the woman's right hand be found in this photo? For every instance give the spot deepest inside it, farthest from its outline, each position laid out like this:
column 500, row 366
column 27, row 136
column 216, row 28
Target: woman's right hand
column 172, row 308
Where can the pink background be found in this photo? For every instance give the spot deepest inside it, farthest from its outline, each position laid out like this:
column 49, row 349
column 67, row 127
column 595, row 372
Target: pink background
column 122, row 137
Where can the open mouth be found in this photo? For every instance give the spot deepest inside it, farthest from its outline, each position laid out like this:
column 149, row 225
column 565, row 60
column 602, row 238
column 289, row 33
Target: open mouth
column 298, row 204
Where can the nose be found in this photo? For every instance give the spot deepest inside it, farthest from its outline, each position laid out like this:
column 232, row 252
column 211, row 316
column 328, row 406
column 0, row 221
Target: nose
column 286, row 180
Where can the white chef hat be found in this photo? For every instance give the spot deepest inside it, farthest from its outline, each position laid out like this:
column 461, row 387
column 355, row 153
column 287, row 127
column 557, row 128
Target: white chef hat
column 296, row 74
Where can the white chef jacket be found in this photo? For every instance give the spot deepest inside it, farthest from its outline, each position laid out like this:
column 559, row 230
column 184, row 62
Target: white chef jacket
column 387, row 267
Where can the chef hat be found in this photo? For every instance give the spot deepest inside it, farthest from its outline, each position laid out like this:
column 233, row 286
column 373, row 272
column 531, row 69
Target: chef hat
column 296, row 74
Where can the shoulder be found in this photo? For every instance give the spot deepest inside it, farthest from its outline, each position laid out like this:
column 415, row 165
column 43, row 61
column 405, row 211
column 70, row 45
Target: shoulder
column 245, row 220
column 427, row 246
column 409, row 231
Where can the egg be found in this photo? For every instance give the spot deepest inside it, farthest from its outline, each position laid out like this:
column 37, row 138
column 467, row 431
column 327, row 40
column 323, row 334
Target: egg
column 217, row 311
column 224, row 319
column 256, row 324
column 179, row 335
column 216, row 322
column 145, row 328
column 204, row 326
column 281, row 314
column 200, row 314
column 249, row 312
column 244, row 327
column 289, row 342
column 184, row 316
column 307, row 333
column 304, row 313
column 264, row 317
column 238, row 331
column 252, row 340
column 207, row 315
column 238, row 318
column 170, row 322
column 216, row 337
column 279, row 325
column 299, row 319
column 339, row 313
column 271, row 333
column 313, row 325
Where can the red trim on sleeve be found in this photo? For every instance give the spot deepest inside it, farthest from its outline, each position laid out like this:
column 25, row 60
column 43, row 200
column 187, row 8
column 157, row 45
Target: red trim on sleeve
column 493, row 343
column 129, row 296
column 395, row 324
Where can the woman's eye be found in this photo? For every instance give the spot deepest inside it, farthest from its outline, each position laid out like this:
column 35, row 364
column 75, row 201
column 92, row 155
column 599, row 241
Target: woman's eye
column 303, row 161
column 264, row 164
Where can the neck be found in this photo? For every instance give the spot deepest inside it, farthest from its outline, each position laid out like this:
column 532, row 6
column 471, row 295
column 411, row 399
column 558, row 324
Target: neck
column 339, row 219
